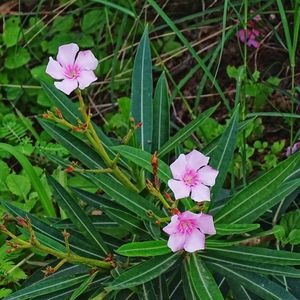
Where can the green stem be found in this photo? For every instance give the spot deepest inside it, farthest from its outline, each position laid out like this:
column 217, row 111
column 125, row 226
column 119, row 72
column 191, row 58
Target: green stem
column 98, row 146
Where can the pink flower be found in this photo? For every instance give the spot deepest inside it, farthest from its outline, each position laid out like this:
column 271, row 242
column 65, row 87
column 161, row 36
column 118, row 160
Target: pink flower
column 187, row 231
column 74, row 68
column 250, row 38
column 293, row 149
column 192, row 175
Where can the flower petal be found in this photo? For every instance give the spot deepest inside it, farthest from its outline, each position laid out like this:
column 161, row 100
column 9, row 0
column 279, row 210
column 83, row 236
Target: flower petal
column 241, row 34
column 54, row 69
column 196, row 160
column 208, row 175
column 67, row 85
column 176, row 241
column 188, row 215
column 194, row 241
column 172, row 226
column 206, row 224
column 86, row 60
column 66, row 54
column 179, row 189
column 178, row 167
column 200, row 193
column 86, row 78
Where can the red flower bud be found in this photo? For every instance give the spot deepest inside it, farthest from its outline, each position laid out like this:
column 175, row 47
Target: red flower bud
column 46, row 116
column 69, row 169
column 58, row 112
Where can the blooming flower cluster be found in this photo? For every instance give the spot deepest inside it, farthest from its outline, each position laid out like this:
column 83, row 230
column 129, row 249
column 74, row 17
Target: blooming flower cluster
column 250, row 35
column 73, row 68
column 191, row 177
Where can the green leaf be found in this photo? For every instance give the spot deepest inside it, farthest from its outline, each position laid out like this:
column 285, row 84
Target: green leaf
column 74, row 145
column 77, row 243
column 46, row 286
column 143, row 159
column 188, row 288
column 223, row 154
column 148, row 248
column 255, row 283
column 281, row 193
column 202, row 280
column 11, row 31
column 125, row 197
column 161, row 114
column 144, row 272
column 117, row 7
column 229, row 229
column 18, row 185
column 70, row 111
column 261, row 268
column 35, row 181
column 141, row 90
column 76, row 214
column 127, row 221
column 185, row 132
column 294, row 237
column 258, row 255
column 256, row 192
column 83, row 287
column 16, row 58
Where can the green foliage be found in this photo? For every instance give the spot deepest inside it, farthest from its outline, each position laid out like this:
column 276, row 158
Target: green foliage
column 99, row 229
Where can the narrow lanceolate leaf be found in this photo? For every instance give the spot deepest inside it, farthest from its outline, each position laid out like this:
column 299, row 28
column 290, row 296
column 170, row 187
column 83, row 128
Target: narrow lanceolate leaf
column 185, row 132
column 161, row 114
column 256, row 193
column 202, row 280
column 35, row 180
column 74, row 145
column 260, row 268
column 223, row 154
column 83, row 287
column 229, row 229
column 127, row 221
column 71, row 113
column 144, row 272
column 46, row 286
column 143, row 159
column 148, row 248
column 212, row 146
column 77, row 245
column 141, row 92
column 188, row 288
column 125, row 197
column 255, row 283
column 283, row 191
column 76, row 214
column 258, row 254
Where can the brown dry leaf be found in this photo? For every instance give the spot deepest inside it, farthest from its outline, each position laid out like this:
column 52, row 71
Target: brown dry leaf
column 7, row 7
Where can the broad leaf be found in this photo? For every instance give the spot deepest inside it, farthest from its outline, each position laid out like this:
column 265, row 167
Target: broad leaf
column 141, row 92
